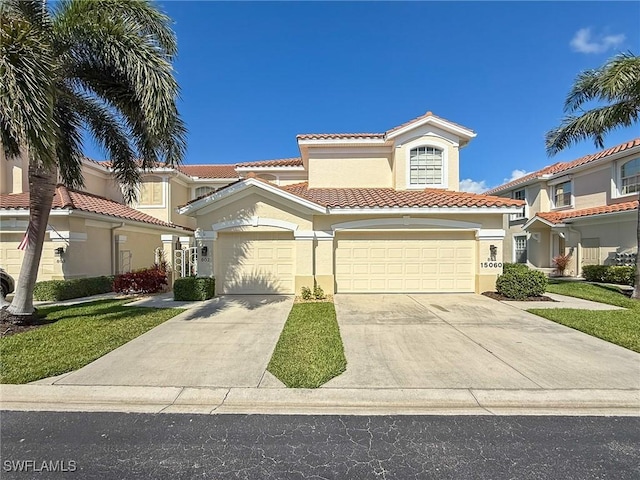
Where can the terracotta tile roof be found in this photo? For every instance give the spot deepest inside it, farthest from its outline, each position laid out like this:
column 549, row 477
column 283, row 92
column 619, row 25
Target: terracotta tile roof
column 559, row 217
column 66, row 198
column 280, row 162
column 338, row 136
column 367, row 136
column 209, row 171
column 388, row 197
column 566, row 166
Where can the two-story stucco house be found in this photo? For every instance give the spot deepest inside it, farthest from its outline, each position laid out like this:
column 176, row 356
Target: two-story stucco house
column 586, row 208
column 362, row 212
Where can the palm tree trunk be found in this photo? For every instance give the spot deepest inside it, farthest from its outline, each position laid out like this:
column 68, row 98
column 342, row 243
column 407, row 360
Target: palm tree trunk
column 636, row 290
column 42, row 184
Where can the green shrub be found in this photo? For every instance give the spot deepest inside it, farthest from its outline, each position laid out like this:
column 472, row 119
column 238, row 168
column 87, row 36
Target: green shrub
column 56, row 290
column 318, row 293
column 609, row 274
column 189, row 289
column 305, row 293
column 508, row 267
column 146, row 280
column 519, row 284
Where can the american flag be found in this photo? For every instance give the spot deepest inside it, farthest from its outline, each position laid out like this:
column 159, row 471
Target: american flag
column 25, row 240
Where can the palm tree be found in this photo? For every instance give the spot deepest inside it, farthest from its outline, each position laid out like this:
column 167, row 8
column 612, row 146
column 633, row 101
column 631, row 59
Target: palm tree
column 616, row 85
column 102, row 66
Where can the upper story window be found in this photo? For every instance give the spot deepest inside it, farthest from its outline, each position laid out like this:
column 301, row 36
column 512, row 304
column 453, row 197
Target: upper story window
column 425, row 166
column 630, row 177
column 519, row 195
column 151, row 191
column 201, row 191
column 562, row 194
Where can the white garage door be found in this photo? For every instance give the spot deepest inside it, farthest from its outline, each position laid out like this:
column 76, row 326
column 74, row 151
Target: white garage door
column 405, row 262
column 255, row 263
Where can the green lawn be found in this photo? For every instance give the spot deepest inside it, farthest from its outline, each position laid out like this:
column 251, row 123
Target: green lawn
column 621, row 327
column 309, row 352
column 79, row 335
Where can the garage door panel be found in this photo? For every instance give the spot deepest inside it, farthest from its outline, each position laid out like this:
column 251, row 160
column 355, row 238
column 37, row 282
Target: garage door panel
column 405, row 262
column 255, row 263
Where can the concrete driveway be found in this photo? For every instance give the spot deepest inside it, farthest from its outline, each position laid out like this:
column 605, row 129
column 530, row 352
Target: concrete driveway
column 470, row 341
column 226, row 342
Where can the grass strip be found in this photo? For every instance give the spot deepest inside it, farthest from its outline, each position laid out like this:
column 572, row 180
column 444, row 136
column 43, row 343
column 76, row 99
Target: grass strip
column 309, row 352
column 621, row 327
column 79, row 335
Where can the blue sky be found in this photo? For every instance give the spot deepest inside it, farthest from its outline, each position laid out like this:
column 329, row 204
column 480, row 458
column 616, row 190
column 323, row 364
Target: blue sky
column 254, row 75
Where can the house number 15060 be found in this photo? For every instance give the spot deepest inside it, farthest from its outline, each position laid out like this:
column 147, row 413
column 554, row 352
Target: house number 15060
column 491, row 264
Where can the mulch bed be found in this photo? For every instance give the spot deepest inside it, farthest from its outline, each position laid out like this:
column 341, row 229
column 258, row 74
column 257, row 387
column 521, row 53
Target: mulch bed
column 327, row 298
column 8, row 328
column 497, row 296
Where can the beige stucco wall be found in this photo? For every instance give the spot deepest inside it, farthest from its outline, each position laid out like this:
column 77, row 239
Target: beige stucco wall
column 141, row 246
column 401, row 158
column 346, row 169
column 179, row 194
column 618, row 237
column 14, row 174
column 592, row 189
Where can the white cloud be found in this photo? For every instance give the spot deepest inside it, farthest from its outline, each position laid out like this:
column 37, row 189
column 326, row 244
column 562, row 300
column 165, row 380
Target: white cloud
column 468, row 185
column 583, row 41
column 515, row 174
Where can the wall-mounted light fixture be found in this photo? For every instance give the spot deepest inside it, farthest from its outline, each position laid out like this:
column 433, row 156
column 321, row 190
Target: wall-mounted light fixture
column 204, row 250
column 178, row 245
column 59, row 251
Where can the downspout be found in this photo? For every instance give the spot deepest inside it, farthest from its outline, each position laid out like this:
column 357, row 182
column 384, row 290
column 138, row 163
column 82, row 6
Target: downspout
column 114, row 266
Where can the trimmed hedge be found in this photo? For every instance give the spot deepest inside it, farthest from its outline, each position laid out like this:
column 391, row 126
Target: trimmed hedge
column 508, row 267
column 609, row 274
column 193, row 288
column 66, row 289
column 519, row 283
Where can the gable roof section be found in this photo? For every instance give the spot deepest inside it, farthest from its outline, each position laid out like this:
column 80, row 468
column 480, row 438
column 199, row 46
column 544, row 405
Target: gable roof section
column 554, row 218
column 69, row 199
column 428, row 117
column 563, row 167
column 390, row 198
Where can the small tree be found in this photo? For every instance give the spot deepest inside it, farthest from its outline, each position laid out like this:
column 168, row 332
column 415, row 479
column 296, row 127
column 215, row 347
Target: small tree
column 561, row 262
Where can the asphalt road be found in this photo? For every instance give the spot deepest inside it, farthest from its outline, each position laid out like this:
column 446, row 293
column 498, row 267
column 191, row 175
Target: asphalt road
column 145, row 446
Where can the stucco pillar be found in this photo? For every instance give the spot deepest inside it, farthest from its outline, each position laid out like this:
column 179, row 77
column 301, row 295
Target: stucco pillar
column 168, row 247
column 324, row 261
column 204, row 241
column 489, row 258
column 304, row 261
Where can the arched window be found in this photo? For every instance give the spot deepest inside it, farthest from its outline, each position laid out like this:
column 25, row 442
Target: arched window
column 201, row 191
column 151, row 191
column 630, row 177
column 425, row 166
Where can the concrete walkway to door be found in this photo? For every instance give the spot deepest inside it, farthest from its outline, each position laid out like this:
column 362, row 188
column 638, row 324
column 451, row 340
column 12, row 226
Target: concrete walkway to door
column 226, row 342
column 467, row 341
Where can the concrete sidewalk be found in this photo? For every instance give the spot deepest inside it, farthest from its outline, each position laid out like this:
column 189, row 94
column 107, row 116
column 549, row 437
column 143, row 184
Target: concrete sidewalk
column 319, row 401
column 563, row 301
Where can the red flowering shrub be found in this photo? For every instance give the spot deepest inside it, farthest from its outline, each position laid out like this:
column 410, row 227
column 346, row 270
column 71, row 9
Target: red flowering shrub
column 147, row 280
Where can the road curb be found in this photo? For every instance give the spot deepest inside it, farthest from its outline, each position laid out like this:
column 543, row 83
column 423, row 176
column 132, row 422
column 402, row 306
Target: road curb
column 324, row 401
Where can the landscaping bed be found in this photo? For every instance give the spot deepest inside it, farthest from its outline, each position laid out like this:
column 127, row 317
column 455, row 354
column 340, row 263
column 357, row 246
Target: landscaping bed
column 537, row 298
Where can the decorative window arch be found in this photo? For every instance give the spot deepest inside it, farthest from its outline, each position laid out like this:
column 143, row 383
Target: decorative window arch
column 426, row 166
column 204, row 190
column 152, row 191
column 630, row 177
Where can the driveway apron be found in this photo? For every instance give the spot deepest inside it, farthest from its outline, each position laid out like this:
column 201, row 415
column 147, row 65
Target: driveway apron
column 470, row 341
column 227, row 342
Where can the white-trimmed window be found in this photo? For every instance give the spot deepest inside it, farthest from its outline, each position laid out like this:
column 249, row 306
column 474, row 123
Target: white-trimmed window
column 152, row 191
column 520, row 249
column 630, row 177
column 562, row 193
column 519, row 195
column 204, row 190
column 426, row 166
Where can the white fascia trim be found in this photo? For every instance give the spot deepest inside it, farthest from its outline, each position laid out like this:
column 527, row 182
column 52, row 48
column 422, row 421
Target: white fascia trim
column 110, row 219
column 463, row 132
column 213, row 180
column 313, row 235
column 558, row 180
column 490, row 234
column 596, row 216
column 405, row 222
column 66, row 236
column 254, row 222
column 25, row 212
column 298, row 168
column 168, row 238
column 424, row 210
column 200, row 234
column 243, row 185
column 537, row 219
column 343, row 141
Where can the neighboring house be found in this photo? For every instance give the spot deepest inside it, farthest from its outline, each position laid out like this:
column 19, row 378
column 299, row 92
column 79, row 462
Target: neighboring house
column 586, row 208
column 364, row 212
